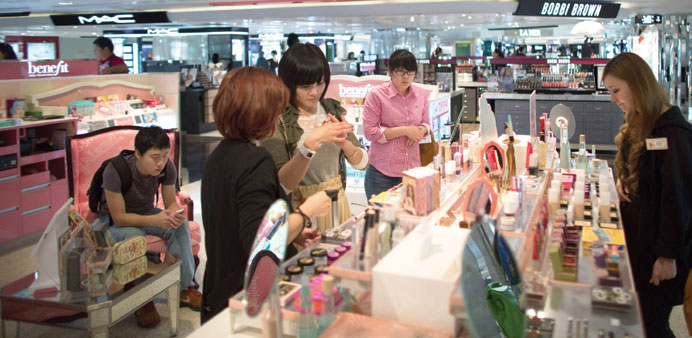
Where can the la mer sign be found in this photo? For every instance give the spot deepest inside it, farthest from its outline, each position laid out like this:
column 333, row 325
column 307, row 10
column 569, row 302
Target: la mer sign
column 47, row 69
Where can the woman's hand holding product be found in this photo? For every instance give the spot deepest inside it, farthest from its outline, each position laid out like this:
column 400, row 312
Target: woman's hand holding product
column 318, row 204
column 341, row 143
column 331, row 132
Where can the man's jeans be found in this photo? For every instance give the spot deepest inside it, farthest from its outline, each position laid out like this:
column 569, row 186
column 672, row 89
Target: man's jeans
column 178, row 240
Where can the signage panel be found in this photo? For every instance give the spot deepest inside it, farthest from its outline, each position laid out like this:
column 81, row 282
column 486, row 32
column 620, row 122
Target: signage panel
column 575, row 9
column 650, row 19
column 47, row 69
column 126, row 18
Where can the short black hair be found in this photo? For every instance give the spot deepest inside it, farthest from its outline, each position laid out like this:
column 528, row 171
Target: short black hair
column 402, row 58
column 104, row 42
column 304, row 64
column 292, row 39
column 499, row 53
column 7, row 51
column 153, row 137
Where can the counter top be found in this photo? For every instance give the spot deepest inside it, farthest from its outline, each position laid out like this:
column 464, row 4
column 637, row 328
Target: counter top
column 547, row 97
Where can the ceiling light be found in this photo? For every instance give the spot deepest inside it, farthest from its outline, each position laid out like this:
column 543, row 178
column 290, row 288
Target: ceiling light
column 470, row 17
column 134, row 2
column 412, row 19
column 463, row 15
column 75, row 27
column 64, row 3
column 446, row 22
column 461, row 25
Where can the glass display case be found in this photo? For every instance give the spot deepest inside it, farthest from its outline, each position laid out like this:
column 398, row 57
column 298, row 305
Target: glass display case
column 552, row 75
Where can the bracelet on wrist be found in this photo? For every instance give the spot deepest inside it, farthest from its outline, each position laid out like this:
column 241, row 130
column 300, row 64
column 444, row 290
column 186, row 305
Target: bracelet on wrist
column 307, row 223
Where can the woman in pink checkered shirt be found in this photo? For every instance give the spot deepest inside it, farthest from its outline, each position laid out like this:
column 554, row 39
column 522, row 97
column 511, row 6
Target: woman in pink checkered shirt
column 395, row 119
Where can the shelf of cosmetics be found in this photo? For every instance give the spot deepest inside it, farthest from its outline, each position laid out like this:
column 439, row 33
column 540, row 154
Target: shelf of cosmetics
column 308, row 295
column 580, row 282
column 575, row 247
column 579, row 80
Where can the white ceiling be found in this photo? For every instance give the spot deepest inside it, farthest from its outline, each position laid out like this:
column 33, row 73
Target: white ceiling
column 325, row 17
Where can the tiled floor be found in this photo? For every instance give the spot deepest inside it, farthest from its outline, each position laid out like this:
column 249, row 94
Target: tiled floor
column 195, row 150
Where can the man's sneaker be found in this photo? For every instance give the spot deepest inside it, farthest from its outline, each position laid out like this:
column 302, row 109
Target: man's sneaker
column 147, row 316
column 191, row 298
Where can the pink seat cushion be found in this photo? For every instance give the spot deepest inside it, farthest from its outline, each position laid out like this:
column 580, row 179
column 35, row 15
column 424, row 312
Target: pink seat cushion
column 86, row 156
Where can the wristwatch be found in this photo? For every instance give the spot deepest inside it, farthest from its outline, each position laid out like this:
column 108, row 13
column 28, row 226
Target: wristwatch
column 307, row 153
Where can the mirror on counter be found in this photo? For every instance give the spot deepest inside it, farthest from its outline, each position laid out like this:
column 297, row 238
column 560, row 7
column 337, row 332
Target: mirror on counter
column 489, row 283
column 263, row 269
column 561, row 116
column 494, row 162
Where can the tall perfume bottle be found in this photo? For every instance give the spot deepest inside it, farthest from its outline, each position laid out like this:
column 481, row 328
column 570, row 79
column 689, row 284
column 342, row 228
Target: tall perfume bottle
column 564, row 149
column 328, row 313
column 582, row 159
column 307, row 323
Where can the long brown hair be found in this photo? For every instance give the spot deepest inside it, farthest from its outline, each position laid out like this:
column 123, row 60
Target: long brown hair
column 648, row 100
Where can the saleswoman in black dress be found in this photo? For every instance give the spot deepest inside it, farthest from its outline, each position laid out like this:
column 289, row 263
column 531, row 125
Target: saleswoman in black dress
column 239, row 183
column 654, row 169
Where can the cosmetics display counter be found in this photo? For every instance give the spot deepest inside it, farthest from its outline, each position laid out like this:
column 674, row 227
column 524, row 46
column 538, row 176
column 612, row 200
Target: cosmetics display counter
column 505, row 244
column 100, row 101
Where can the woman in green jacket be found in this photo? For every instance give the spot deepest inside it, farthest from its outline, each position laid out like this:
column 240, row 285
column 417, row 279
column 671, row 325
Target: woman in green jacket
column 313, row 140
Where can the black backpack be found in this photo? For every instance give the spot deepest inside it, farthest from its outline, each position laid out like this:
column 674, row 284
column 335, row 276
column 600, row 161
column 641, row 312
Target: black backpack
column 95, row 192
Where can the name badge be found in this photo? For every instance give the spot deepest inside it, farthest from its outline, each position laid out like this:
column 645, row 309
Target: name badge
column 657, row 143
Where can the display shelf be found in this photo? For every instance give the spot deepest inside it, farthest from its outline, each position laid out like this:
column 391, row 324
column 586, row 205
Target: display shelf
column 41, row 156
column 7, row 150
column 38, row 183
column 8, row 173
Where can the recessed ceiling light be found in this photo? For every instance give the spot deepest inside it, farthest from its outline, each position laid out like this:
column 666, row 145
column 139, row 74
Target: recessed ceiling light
column 446, row 22
column 470, row 17
column 134, row 2
column 412, row 19
column 64, row 3
column 74, row 27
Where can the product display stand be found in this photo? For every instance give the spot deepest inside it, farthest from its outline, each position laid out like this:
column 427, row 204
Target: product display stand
column 425, row 269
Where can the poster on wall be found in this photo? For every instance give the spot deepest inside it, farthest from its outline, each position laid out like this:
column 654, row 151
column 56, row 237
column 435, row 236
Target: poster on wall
column 646, row 45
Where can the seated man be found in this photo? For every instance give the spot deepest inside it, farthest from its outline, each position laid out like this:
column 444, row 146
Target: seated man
column 135, row 214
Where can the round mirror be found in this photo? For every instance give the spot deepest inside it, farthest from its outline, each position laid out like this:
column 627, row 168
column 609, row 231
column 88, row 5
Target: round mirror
column 489, row 283
column 267, row 253
column 493, row 161
column 560, row 116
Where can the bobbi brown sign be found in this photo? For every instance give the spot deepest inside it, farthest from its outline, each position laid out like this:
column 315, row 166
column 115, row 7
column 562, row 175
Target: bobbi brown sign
column 576, row 9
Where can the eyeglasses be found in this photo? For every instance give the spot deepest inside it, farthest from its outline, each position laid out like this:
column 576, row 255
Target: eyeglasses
column 403, row 73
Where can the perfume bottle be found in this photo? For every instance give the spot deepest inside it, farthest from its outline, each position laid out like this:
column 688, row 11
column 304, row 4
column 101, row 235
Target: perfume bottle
column 307, row 323
column 582, row 160
column 328, row 313
column 564, row 150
